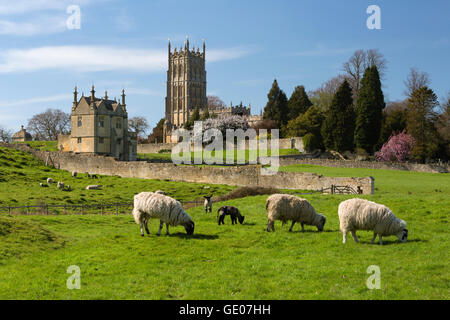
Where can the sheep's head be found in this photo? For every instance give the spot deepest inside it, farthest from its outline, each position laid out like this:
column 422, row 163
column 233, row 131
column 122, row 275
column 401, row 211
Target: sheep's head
column 403, row 235
column 241, row 219
column 322, row 220
column 189, row 227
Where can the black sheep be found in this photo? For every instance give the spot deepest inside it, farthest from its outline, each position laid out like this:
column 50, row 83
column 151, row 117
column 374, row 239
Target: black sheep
column 233, row 212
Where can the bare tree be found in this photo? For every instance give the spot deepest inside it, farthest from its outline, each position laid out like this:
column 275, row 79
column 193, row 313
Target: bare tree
column 357, row 65
column 47, row 125
column 5, row 135
column 415, row 80
column 139, row 125
column 323, row 96
column 214, row 102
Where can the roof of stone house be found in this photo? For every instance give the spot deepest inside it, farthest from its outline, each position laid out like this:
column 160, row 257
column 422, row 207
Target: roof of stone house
column 110, row 104
column 22, row 134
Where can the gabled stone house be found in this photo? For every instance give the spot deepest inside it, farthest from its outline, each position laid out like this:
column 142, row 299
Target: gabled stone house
column 99, row 126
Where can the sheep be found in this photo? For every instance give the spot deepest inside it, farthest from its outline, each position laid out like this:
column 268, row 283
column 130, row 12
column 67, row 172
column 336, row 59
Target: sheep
column 60, row 185
column 233, row 212
column 87, row 174
column 74, row 174
column 208, row 203
column 149, row 205
column 49, row 181
column 359, row 214
column 68, row 187
column 43, row 185
column 286, row 207
column 93, row 187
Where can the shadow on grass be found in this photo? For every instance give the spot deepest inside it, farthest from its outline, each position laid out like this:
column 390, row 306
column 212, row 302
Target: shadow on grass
column 195, row 236
column 390, row 242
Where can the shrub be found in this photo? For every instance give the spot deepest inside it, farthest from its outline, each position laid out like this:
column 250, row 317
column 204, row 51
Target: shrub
column 311, row 142
column 397, row 148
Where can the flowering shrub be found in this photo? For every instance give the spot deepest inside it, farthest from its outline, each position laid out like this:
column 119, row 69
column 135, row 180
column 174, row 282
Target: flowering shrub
column 397, row 148
column 223, row 123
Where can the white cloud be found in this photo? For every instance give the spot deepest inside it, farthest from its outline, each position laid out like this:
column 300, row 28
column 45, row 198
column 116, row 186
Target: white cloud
column 97, row 58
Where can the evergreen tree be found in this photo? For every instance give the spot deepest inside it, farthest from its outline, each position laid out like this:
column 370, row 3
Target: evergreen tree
column 369, row 109
column 339, row 125
column 194, row 117
column 277, row 105
column 298, row 102
column 205, row 114
column 420, row 118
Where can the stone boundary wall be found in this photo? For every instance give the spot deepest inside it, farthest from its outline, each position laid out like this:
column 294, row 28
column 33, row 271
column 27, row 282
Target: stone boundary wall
column 289, row 143
column 249, row 175
column 430, row 168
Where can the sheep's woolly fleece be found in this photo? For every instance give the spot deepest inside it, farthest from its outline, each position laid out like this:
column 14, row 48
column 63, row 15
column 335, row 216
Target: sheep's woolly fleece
column 360, row 214
column 286, row 207
column 158, row 206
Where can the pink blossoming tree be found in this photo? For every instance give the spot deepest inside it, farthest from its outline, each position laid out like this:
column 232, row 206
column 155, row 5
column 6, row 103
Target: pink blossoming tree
column 397, row 148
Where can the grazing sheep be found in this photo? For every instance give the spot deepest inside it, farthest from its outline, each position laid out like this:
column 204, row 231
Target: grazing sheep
column 74, row 174
column 60, row 185
column 233, row 212
column 208, row 203
column 94, row 176
column 49, row 181
column 286, row 207
column 359, row 214
column 93, row 187
column 68, row 187
column 88, row 175
column 43, row 185
column 149, row 205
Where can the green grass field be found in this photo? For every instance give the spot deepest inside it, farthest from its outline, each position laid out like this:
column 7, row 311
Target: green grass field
column 231, row 262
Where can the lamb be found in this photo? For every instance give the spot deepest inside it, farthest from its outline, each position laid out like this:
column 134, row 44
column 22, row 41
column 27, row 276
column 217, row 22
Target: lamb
column 149, row 205
column 43, row 185
column 60, row 185
column 233, row 212
column 286, row 207
column 208, row 203
column 74, row 174
column 49, row 181
column 359, row 214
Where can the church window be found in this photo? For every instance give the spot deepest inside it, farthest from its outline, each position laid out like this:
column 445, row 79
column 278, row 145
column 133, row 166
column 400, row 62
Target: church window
column 79, row 140
column 80, row 121
column 101, row 122
column 100, row 140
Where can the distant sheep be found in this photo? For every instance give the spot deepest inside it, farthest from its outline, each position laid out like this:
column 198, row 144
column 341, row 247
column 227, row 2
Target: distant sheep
column 208, row 203
column 359, row 214
column 49, row 181
column 286, row 207
column 68, row 187
column 148, row 205
column 60, row 185
column 93, row 187
column 87, row 174
column 43, row 185
column 74, row 174
column 233, row 212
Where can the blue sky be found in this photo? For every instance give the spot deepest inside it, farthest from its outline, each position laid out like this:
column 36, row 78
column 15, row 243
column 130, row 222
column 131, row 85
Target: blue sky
column 123, row 44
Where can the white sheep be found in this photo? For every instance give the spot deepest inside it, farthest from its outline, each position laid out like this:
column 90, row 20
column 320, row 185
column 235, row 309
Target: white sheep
column 93, row 187
column 43, row 185
column 49, row 181
column 148, row 205
column 74, row 174
column 208, row 203
column 359, row 214
column 286, row 207
column 60, row 185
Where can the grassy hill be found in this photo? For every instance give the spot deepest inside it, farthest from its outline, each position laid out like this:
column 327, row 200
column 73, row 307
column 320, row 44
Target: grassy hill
column 227, row 262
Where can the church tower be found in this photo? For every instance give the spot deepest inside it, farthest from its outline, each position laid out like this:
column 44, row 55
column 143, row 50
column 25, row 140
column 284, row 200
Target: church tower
column 186, row 86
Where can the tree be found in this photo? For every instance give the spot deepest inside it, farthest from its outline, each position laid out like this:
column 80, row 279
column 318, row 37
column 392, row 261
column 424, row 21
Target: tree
column 339, row 125
column 298, row 102
column 358, row 63
column 369, row 109
column 393, row 121
column 323, row 96
column 415, row 80
column 49, row 124
column 139, row 125
column 277, row 105
column 205, row 114
column 195, row 116
column 309, row 122
column 420, row 119
column 157, row 132
column 5, row 134
column 214, row 102
column 443, row 128
column 397, row 148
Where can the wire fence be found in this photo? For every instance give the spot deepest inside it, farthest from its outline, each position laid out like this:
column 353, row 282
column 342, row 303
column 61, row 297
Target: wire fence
column 65, row 209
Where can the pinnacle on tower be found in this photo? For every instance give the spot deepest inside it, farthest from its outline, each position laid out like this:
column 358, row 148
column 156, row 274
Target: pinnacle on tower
column 106, row 95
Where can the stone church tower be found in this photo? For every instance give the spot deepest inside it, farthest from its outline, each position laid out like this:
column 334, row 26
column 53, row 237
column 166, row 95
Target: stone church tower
column 186, row 87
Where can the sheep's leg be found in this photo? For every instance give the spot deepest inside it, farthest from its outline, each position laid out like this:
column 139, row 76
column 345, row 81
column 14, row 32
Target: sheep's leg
column 303, row 227
column 345, row 237
column 354, row 235
column 160, row 227
column 146, row 227
column 142, row 229
column 292, row 225
column 374, row 236
column 381, row 240
column 167, row 229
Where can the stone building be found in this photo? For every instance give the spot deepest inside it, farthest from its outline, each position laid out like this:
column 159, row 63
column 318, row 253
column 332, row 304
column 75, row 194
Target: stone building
column 186, row 89
column 21, row 135
column 99, row 126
